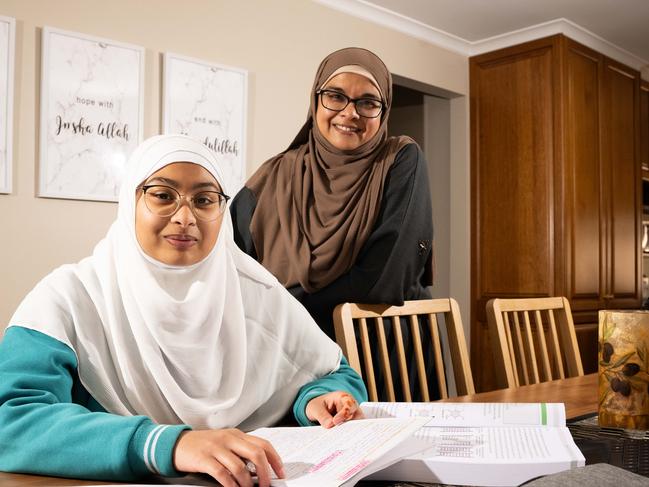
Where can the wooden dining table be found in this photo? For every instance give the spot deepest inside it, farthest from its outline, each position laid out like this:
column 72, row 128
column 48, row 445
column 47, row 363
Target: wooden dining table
column 579, row 394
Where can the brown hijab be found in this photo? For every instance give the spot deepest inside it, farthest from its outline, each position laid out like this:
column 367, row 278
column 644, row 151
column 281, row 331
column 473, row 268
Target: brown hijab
column 316, row 204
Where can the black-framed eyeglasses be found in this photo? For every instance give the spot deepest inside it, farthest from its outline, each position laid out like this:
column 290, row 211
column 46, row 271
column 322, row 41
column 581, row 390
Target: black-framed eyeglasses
column 164, row 201
column 337, row 102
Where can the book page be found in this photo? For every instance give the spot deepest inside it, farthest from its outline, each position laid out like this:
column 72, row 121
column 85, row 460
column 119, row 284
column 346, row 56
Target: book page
column 486, row 456
column 524, row 444
column 318, row 456
column 465, row 414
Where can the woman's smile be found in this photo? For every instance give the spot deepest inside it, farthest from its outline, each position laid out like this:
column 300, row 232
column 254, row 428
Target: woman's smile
column 346, row 129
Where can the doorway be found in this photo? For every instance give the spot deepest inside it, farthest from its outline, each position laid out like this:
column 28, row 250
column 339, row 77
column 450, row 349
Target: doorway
column 426, row 118
column 438, row 121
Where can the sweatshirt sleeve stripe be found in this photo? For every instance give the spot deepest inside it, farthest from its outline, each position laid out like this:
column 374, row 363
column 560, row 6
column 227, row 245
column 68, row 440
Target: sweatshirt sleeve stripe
column 152, row 451
column 152, row 448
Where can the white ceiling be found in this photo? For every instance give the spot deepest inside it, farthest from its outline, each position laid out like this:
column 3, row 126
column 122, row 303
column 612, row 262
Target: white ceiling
column 472, row 23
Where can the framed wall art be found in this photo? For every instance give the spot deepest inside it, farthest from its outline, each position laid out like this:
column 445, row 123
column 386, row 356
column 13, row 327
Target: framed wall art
column 208, row 101
column 7, row 48
column 91, row 114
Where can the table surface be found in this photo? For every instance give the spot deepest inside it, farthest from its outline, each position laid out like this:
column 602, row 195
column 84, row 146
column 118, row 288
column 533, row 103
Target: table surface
column 578, row 393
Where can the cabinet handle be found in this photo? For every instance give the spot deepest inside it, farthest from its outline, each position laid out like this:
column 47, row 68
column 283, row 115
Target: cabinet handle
column 608, row 296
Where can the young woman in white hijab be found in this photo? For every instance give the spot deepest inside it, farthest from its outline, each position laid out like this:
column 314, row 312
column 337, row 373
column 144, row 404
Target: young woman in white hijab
column 143, row 357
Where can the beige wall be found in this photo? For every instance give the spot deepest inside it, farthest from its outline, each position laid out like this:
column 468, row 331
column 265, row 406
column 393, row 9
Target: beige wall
column 280, row 43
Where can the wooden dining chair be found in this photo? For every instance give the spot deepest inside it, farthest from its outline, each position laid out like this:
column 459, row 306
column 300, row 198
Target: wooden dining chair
column 533, row 340
column 352, row 329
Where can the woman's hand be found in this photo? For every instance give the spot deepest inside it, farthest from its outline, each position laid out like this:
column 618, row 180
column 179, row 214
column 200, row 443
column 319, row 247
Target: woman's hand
column 333, row 408
column 224, row 454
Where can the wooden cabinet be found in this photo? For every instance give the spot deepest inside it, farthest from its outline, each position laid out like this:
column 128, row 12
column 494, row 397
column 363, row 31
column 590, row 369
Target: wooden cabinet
column 556, row 185
column 621, row 185
column 644, row 165
column 644, row 129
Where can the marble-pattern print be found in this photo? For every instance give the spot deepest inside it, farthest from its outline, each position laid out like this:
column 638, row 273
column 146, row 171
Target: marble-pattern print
column 5, row 99
column 90, row 115
column 208, row 101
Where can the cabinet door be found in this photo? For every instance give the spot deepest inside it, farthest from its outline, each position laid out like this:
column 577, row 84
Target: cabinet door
column 514, row 118
column 621, row 183
column 513, row 100
column 584, row 219
column 644, row 128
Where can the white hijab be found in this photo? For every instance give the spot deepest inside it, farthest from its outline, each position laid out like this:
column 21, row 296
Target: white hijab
column 216, row 344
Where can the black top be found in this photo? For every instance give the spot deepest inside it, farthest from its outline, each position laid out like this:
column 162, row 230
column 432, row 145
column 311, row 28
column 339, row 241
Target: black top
column 394, row 265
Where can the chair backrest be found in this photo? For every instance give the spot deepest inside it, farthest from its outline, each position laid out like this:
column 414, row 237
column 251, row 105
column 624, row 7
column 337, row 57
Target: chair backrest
column 533, row 340
column 350, row 317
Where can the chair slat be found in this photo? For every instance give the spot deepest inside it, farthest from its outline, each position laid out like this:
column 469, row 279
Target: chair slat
column 367, row 359
column 555, row 345
column 543, row 349
column 344, row 328
column 521, row 351
column 437, row 354
column 401, row 359
column 569, row 341
column 510, row 346
column 419, row 358
column 459, row 354
column 529, row 345
column 385, row 359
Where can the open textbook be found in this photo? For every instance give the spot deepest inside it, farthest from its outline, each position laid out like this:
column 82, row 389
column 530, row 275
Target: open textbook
column 481, row 444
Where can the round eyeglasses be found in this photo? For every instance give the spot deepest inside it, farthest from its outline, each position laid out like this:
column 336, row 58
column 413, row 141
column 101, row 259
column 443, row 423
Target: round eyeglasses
column 165, row 201
column 337, row 102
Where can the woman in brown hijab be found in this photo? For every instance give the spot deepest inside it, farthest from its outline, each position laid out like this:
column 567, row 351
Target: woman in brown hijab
column 344, row 213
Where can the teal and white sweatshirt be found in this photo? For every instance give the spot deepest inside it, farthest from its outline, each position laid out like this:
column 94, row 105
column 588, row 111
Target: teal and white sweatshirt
column 50, row 424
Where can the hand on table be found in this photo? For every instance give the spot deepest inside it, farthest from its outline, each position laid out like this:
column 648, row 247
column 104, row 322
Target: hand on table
column 223, row 453
column 333, row 408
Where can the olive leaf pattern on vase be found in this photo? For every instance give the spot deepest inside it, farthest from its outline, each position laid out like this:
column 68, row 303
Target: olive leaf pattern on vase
column 624, row 372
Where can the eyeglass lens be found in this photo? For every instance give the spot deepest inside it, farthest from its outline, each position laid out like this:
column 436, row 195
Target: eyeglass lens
column 365, row 107
column 165, row 201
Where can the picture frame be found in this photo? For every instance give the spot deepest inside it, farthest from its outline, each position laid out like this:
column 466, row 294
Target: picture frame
column 91, row 114
column 7, row 67
column 208, row 101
